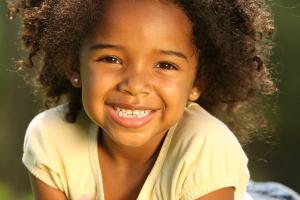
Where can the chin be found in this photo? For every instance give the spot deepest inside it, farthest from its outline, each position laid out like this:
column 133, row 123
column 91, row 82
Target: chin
column 132, row 141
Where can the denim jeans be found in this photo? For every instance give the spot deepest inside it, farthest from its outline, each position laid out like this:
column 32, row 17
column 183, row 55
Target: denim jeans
column 271, row 191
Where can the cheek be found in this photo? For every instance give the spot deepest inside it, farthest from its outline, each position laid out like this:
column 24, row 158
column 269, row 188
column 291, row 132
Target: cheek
column 93, row 95
column 174, row 91
column 92, row 87
column 89, row 84
column 93, row 79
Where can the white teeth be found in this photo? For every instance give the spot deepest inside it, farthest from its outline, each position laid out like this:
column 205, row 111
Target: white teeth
column 131, row 113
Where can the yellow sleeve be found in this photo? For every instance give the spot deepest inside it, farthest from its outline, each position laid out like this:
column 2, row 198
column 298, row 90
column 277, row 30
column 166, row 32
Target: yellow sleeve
column 40, row 155
column 219, row 162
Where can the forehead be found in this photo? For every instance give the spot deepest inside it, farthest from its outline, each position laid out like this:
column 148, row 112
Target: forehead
column 143, row 19
column 143, row 11
column 142, row 6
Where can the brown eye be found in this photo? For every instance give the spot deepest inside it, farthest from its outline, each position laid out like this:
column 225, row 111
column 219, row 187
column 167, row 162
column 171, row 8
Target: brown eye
column 110, row 59
column 167, row 66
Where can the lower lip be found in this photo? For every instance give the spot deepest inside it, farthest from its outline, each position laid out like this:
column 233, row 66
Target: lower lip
column 129, row 122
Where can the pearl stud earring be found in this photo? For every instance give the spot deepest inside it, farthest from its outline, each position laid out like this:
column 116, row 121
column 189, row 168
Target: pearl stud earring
column 76, row 80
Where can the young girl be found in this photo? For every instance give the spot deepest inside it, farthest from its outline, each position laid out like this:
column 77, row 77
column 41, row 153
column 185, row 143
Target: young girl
column 128, row 75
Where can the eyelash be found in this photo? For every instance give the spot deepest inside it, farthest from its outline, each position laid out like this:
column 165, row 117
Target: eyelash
column 115, row 60
column 167, row 66
column 110, row 59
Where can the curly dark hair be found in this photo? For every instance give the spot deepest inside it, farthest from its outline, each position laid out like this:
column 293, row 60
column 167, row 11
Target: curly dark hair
column 234, row 36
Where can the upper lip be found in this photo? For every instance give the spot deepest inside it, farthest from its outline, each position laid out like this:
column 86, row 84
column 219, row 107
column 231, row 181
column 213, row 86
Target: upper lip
column 130, row 106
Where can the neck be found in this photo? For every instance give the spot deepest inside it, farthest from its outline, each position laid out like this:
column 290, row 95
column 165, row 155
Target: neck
column 131, row 156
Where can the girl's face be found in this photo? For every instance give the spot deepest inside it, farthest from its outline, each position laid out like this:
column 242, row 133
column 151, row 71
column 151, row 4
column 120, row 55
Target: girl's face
column 138, row 69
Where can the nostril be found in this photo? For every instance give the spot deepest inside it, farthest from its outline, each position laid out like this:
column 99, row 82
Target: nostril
column 135, row 86
column 135, row 80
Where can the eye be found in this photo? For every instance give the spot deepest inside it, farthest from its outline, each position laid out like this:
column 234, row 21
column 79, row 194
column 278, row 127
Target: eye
column 167, row 66
column 110, row 59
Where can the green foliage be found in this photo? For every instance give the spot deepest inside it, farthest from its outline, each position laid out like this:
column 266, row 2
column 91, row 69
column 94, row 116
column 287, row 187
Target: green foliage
column 7, row 194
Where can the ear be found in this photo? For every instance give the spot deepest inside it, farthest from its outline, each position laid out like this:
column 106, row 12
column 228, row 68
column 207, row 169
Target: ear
column 195, row 93
column 74, row 78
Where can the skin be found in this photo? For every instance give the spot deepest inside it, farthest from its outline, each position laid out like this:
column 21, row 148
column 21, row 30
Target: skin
column 139, row 57
column 124, row 64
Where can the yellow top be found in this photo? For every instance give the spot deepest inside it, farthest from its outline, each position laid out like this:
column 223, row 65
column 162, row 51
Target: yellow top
column 199, row 155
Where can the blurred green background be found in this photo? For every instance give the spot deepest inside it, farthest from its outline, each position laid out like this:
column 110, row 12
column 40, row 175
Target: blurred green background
column 268, row 162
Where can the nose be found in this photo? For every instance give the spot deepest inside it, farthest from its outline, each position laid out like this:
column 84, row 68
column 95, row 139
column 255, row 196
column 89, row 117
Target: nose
column 135, row 82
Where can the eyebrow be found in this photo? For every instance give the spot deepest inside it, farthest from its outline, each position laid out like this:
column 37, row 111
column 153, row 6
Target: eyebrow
column 173, row 53
column 104, row 46
column 111, row 46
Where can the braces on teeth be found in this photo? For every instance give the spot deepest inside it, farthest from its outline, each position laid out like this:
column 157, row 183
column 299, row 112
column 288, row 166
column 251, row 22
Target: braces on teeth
column 132, row 113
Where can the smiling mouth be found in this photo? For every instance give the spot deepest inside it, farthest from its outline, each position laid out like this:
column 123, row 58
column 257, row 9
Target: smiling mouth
column 128, row 113
column 130, row 118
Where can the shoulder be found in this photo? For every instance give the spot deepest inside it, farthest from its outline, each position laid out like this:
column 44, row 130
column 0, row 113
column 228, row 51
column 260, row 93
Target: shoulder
column 44, row 123
column 207, row 155
column 54, row 149
column 199, row 126
column 49, row 119
column 52, row 123
column 50, row 132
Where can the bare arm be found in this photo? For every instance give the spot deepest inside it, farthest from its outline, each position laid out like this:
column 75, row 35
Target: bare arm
column 42, row 191
column 221, row 194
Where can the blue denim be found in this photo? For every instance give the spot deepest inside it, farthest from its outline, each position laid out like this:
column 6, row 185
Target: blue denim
column 271, row 191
